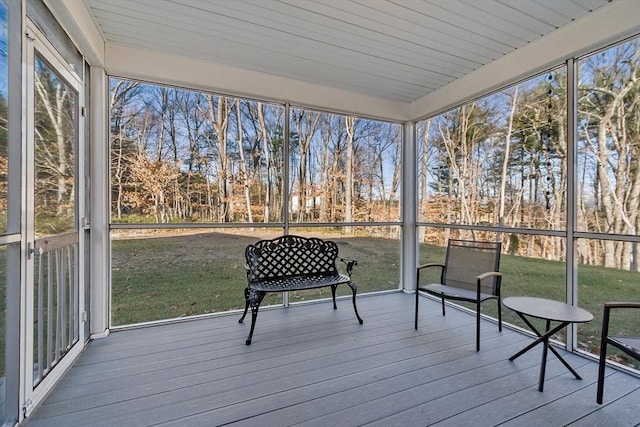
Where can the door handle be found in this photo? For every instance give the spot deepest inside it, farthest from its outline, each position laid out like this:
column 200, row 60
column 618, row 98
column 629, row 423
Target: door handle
column 32, row 250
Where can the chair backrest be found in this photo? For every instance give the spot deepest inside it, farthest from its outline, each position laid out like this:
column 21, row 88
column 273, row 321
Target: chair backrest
column 290, row 256
column 467, row 259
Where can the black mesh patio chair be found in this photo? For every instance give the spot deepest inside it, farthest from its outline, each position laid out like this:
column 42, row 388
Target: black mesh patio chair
column 629, row 345
column 470, row 273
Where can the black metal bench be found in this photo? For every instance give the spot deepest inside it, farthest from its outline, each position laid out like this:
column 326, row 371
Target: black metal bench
column 291, row 263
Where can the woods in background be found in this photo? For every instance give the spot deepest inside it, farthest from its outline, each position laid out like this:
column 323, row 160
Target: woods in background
column 503, row 160
column 180, row 155
column 500, row 161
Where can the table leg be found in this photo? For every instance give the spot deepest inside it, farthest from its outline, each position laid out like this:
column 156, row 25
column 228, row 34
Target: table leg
column 543, row 364
column 544, row 339
column 541, row 338
column 565, row 363
column 533, row 344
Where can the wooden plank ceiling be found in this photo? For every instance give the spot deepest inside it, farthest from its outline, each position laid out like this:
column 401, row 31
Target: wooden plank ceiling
column 392, row 49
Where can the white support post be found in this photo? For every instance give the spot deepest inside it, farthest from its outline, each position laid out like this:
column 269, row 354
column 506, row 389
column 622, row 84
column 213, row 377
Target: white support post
column 100, row 260
column 571, row 266
column 286, row 182
column 409, row 254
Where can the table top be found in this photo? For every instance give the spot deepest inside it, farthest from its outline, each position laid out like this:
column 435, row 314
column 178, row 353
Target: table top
column 547, row 309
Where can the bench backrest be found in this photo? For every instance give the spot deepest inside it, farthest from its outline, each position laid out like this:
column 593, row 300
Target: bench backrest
column 290, row 256
column 466, row 260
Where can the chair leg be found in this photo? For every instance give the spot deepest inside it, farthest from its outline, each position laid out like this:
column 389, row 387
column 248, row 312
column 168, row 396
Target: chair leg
column 601, row 366
column 478, row 326
column 416, row 320
column 443, row 306
column 499, row 315
column 603, row 354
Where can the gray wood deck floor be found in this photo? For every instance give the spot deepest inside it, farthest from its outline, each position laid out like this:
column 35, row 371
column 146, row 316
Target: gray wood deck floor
column 314, row 366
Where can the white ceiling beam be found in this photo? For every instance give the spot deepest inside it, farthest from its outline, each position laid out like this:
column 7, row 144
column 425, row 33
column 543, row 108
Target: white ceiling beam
column 180, row 71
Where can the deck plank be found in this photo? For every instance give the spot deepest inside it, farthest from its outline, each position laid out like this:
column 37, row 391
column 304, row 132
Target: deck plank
column 312, row 365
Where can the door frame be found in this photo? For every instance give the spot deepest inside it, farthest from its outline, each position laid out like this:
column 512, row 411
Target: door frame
column 35, row 41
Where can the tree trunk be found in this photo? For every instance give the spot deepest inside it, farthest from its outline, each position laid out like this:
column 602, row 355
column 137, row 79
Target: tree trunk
column 505, row 162
column 267, row 160
column 243, row 165
column 348, row 199
column 220, row 122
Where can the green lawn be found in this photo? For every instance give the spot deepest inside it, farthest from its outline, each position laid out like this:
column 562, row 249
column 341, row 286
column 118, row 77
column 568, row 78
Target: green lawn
column 174, row 276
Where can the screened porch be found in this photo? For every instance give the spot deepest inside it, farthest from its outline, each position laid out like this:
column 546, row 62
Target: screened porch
column 145, row 143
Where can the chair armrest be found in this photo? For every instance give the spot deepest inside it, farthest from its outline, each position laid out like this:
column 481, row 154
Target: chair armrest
column 608, row 306
column 615, row 304
column 349, row 262
column 429, row 265
column 497, row 283
column 489, row 274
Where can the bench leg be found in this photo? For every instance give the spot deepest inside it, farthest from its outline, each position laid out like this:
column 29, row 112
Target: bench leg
column 354, row 289
column 255, row 298
column 333, row 294
column 246, row 304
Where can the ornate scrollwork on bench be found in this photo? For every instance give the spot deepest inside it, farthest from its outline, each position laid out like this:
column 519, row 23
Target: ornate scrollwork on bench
column 291, row 263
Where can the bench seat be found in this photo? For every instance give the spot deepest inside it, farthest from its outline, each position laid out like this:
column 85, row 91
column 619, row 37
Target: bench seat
column 295, row 283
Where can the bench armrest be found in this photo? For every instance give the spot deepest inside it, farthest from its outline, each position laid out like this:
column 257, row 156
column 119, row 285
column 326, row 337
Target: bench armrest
column 349, row 263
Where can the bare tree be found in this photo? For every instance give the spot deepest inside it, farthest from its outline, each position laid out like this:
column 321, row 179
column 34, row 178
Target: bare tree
column 244, row 176
column 219, row 115
column 350, row 123
column 123, row 94
column 306, row 125
column 55, row 140
column 611, row 103
column 506, row 160
column 268, row 168
column 156, row 179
